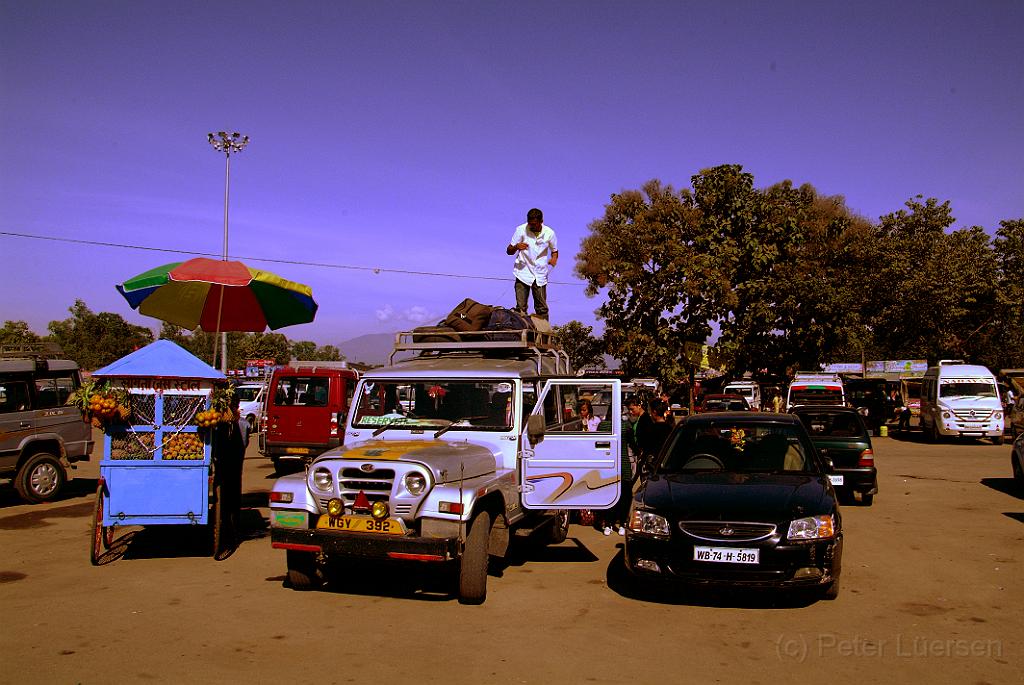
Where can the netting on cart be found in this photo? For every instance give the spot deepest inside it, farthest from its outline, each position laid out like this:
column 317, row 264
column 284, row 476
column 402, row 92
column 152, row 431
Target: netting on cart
column 180, row 410
column 143, row 408
column 131, row 445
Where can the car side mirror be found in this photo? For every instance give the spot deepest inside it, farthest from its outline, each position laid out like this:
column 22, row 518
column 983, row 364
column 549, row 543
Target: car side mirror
column 535, row 428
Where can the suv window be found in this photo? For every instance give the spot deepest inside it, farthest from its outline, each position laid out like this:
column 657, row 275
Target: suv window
column 14, row 396
column 302, row 391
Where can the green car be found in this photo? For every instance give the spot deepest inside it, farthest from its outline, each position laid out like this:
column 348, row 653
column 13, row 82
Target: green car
column 841, row 434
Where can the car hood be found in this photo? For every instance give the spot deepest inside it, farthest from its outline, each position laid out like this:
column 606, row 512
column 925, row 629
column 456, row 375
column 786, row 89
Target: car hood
column 449, row 461
column 713, row 496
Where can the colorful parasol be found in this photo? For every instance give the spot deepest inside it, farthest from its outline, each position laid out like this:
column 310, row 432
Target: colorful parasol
column 218, row 296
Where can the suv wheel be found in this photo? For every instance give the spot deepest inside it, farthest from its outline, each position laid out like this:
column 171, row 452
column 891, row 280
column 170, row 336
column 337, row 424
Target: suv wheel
column 40, row 478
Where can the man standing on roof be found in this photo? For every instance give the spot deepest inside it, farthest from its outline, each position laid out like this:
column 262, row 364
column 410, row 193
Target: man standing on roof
column 536, row 249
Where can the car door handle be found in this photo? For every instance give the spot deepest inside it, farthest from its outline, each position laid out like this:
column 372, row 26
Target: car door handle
column 602, row 445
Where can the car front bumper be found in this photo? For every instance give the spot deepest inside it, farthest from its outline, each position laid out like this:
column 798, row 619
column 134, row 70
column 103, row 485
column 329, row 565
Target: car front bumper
column 804, row 565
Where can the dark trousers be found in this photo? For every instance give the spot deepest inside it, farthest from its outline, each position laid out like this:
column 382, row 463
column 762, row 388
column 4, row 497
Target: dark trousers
column 540, row 298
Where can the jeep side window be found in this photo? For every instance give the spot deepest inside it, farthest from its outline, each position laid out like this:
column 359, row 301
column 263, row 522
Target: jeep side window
column 14, row 397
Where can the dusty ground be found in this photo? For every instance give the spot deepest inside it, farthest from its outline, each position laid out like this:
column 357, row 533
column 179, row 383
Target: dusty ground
column 932, row 592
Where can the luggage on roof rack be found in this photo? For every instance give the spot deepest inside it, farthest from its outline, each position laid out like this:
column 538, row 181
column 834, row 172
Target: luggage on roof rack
column 513, row 342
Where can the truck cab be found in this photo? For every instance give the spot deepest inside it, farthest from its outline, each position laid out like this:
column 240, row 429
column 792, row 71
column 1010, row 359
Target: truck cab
column 450, row 454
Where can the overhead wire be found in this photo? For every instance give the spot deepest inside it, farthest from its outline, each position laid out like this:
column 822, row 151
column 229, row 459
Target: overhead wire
column 272, row 260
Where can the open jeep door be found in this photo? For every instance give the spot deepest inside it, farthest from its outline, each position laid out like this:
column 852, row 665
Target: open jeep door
column 564, row 466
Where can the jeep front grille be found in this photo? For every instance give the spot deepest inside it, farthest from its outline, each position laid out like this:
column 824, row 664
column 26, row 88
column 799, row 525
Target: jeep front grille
column 376, row 484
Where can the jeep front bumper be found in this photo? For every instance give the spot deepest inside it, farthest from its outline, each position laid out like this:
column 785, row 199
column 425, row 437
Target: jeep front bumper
column 365, row 545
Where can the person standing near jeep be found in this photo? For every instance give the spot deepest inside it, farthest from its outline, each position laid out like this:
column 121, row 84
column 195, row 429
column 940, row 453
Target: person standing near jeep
column 535, row 247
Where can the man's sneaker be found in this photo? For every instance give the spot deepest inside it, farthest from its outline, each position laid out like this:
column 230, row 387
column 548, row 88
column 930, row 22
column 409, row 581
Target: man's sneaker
column 622, row 530
column 607, row 530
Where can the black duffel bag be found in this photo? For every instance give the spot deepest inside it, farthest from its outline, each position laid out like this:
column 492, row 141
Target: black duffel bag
column 439, row 333
column 506, row 320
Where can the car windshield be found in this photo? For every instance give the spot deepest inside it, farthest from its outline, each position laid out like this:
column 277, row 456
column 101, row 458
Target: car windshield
column 967, row 388
column 247, row 393
column 816, row 396
column 827, row 425
column 441, row 403
column 742, row 447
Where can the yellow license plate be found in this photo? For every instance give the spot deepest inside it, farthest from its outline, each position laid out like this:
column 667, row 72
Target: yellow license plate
column 361, row 524
column 296, row 450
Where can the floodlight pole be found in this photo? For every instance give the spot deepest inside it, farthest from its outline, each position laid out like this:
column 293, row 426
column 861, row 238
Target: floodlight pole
column 226, row 143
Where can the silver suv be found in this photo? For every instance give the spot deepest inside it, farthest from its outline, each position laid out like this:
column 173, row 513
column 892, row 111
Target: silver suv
column 40, row 437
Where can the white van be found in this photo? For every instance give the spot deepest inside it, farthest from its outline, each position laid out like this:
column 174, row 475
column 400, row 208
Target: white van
column 815, row 390
column 749, row 390
column 961, row 400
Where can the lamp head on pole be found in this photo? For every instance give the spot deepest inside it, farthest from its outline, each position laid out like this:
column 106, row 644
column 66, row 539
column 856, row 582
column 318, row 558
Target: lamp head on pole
column 227, row 143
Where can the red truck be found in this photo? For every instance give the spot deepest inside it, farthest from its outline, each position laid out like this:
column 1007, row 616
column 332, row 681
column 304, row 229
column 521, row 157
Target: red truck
column 304, row 412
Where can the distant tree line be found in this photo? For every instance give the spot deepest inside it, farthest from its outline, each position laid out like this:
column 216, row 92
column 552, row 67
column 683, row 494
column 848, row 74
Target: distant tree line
column 95, row 340
column 793, row 279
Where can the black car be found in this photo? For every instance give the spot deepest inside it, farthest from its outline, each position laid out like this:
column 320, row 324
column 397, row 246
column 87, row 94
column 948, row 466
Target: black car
column 738, row 499
column 841, row 433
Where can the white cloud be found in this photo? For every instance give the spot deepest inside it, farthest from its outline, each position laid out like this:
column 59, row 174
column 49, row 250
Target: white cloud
column 420, row 315
column 385, row 314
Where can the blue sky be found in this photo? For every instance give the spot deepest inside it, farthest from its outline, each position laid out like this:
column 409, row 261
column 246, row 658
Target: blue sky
column 413, row 136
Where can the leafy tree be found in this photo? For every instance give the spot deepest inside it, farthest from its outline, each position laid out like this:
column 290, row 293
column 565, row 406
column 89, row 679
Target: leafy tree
column 17, row 333
column 95, row 340
column 649, row 252
column 309, row 351
column 579, row 343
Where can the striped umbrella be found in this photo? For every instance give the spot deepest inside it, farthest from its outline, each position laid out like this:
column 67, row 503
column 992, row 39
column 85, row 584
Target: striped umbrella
column 217, row 295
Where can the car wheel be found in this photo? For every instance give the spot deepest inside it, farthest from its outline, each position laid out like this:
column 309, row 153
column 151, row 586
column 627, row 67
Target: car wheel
column 559, row 530
column 997, row 440
column 251, row 420
column 832, row 591
column 40, row 478
column 933, row 433
column 1018, row 469
column 473, row 564
column 866, row 500
column 302, row 570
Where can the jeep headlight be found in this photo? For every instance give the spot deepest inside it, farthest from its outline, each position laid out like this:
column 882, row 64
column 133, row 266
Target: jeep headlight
column 641, row 521
column 812, row 528
column 415, row 483
column 322, row 479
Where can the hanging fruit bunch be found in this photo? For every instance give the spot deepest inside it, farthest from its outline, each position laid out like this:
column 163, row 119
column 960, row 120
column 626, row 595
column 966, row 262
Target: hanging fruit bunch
column 183, row 446
column 220, row 409
column 101, row 405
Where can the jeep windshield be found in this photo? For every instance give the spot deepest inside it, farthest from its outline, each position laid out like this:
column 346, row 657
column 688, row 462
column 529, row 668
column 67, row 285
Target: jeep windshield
column 481, row 405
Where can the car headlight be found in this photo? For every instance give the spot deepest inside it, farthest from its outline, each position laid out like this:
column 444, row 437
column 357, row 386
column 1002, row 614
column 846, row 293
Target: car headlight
column 649, row 523
column 415, row 483
column 812, row 528
column 322, row 479
column 998, row 416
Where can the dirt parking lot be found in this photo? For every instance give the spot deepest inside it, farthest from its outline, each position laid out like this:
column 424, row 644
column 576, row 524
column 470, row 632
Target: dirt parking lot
column 932, row 592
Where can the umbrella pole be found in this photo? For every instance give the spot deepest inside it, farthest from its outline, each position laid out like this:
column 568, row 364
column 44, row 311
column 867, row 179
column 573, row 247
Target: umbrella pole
column 216, row 338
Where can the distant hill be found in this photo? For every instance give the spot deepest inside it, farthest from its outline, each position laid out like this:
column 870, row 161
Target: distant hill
column 373, row 348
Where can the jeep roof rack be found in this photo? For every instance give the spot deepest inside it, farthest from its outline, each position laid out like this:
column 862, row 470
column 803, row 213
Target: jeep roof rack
column 41, row 350
column 539, row 344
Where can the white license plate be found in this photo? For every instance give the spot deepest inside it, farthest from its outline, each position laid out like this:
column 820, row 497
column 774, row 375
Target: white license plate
column 727, row 555
column 835, row 480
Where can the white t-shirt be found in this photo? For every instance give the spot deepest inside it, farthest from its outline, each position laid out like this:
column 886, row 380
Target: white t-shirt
column 531, row 264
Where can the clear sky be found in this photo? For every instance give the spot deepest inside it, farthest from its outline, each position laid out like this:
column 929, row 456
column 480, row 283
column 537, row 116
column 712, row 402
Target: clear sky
column 413, row 136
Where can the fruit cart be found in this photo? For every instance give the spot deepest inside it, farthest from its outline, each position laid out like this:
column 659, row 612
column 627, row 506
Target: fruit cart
column 154, row 406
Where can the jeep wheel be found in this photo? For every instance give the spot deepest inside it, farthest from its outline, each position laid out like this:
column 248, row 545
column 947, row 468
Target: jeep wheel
column 40, row 478
column 559, row 529
column 473, row 564
column 302, row 570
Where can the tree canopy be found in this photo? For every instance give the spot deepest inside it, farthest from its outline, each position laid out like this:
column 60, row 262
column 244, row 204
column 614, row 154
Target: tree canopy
column 792, row 278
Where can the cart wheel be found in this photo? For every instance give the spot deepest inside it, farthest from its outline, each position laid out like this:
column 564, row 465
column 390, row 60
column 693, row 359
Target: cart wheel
column 102, row 536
